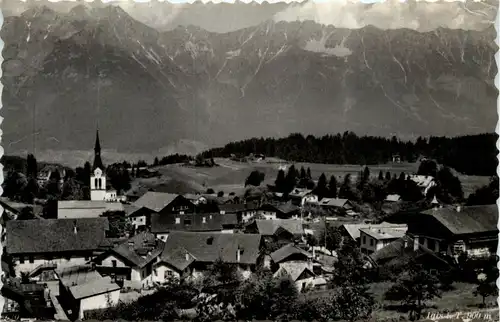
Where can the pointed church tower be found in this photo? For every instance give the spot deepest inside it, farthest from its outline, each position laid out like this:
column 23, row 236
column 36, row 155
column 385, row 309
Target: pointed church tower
column 98, row 176
column 97, row 153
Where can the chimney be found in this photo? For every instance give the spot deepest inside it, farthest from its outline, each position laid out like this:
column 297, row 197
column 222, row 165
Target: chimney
column 75, row 229
column 187, row 257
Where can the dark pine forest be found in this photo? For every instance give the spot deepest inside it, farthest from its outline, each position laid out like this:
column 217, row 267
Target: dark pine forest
column 470, row 154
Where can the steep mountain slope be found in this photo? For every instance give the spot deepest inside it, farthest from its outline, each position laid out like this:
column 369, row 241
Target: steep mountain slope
column 156, row 88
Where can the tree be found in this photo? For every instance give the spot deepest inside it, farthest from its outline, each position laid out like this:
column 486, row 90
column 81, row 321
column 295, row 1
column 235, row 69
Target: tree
column 486, row 195
column 330, row 237
column 366, row 174
column 26, row 214
column 486, row 281
column 210, row 191
column 156, row 162
column 388, row 176
column 427, row 168
column 449, row 186
column 303, row 174
column 413, row 289
column 280, row 182
column 263, row 297
column 349, row 270
column 354, row 301
column 346, row 190
column 31, row 166
column 309, row 173
column 332, row 187
column 291, row 179
column 221, row 273
column 255, row 178
column 381, row 175
column 71, row 190
column 321, row 189
column 119, row 225
column 220, row 194
column 14, row 184
column 31, row 190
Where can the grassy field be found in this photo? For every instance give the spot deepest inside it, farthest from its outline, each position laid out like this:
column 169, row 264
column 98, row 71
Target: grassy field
column 461, row 299
column 230, row 175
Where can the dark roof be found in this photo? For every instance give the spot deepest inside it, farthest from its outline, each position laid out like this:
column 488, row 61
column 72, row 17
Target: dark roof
column 285, row 208
column 161, row 223
column 155, row 201
column 55, row 235
column 400, row 252
column 287, row 251
column 209, row 247
column 270, row 227
column 176, row 257
column 97, row 153
column 469, row 220
column 238, row 207
column 140, row 250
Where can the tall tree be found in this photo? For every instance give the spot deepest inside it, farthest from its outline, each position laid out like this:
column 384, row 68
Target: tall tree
column 381, row 176
column 31, row 166
column 255, row 178
column 413, row 288
column 280, row 182
column 309, row 173
column 486, row 195
column 388, row 176
column 366, row 174
column 321, row 189
column 332, row 187
column 291, row 178
column 303, row 174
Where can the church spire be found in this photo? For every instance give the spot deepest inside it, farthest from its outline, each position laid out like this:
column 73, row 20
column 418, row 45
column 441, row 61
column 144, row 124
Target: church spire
column 97, row 153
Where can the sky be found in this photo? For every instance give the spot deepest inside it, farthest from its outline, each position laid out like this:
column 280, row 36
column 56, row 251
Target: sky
column 418, row 15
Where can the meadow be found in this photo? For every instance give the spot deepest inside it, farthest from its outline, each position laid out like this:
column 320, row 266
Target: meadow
column 229, row 176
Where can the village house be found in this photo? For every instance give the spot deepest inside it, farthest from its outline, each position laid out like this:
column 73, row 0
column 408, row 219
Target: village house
column 46, row 172
column 188, row 255
column 337, row 205
column 373, row 239
column 353, row 231
column 455, row 230
column 243, row 211
column 280, row 211
column 300, row 197
column 196, row 198
column 57, row 242
column 70, row 209
column 132, row 261
column 159, row 202
column 163, row 224
column 400, row 253
column 82, row 289
column 298, row 264
column 278, row 230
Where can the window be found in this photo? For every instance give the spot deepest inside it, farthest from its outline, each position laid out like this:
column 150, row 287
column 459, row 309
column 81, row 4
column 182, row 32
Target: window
column 95, row 183
column 113, row 262
column 177, row 220
column 371, row 242
column 364, row 239
column 168, row 274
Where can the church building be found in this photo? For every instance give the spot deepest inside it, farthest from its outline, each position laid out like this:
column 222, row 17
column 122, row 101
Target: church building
column 98, row 186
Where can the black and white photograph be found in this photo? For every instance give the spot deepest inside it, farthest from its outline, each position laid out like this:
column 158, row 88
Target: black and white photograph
column 323, row 161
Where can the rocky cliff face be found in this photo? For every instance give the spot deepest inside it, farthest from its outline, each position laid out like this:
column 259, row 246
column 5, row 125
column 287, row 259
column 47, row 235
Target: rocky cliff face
column 152, row 88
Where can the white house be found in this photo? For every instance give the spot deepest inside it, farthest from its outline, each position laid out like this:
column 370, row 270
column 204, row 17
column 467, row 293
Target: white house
column 132, row 260
column 57, row 242
column 82, row 289
column 187, row 255
column 373, row 239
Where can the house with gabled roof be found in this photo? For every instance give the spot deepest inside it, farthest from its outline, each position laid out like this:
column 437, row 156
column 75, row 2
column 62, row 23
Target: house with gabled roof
column 62, row 242
column 278, row 211
column 336, row 204
column 456, row 230
column 284, row 230
column 244, row 211
column 163, row 224
column 132, row 260
column 81, row 289
column 375, row 238
column 300, row 196
column 159, row 202
column 190, row 254
column 301, row 273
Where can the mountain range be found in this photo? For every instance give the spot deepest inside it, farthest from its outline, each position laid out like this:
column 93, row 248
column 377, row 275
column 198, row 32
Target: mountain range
column 65, row 74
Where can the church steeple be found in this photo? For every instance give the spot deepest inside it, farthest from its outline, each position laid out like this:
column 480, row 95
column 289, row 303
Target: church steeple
column 97, row 153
